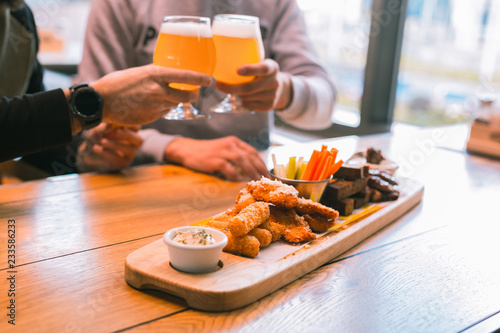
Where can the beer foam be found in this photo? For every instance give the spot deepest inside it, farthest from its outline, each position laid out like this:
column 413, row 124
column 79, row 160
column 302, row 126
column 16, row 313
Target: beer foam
column 190, row 29
column 237, row 29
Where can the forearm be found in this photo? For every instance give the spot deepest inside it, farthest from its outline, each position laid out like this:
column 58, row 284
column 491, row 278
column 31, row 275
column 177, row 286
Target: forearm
column 154, row 146
column 285, row 92
column 33, row 122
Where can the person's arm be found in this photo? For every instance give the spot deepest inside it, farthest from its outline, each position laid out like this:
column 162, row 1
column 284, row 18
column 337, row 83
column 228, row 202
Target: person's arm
column 33, row 122
column 292, row 81
column 131, row 97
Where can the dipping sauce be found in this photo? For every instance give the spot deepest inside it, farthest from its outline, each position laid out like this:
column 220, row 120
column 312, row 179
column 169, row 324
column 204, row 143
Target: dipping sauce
column 193, row 237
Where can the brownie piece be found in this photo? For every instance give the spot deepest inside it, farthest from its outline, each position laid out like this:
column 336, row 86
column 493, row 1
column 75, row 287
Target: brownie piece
column 344, row 206
column 352, row 172
column 361, row 198
column 380, row 184
column 374, row 156
column 338, row 189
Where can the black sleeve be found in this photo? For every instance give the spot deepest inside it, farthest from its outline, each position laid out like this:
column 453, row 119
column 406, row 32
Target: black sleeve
column 32, row 123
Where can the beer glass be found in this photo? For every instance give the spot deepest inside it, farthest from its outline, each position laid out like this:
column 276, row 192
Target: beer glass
column 185, row 42
column 237, row 42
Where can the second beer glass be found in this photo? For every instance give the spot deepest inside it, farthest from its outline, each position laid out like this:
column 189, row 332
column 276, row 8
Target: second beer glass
column 185, row 42
column 237, row 42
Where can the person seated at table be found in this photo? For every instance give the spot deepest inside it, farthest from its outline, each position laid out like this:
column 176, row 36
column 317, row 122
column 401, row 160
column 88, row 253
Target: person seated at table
column 134, row 96
column 39, row 120
column 291, row 81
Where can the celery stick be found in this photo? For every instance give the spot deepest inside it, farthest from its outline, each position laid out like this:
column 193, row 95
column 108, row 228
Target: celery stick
column 300, row 170
column 290, row 174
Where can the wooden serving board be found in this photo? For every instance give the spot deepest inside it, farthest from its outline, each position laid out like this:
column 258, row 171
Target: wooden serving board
column 242, row 281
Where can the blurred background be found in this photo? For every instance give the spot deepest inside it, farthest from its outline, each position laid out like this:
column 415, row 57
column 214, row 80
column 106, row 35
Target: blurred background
column 449, row 59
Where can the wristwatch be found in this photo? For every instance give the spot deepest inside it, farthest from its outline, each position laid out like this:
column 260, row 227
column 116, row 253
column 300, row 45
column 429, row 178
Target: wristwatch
column 86, row 105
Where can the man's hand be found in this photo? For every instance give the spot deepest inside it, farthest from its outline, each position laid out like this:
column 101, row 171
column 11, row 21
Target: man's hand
column 140, row 95
column 269, row 89
column 108, row 148
column 232, row 157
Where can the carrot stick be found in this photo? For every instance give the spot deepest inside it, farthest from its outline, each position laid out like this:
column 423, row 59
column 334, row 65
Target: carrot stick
column 311, row 165
column 321, row 164
column 336, row 167
column 326, row 168
column 334, row 153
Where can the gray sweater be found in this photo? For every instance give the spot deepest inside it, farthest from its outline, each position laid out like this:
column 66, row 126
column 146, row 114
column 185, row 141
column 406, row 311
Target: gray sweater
column 122, row 34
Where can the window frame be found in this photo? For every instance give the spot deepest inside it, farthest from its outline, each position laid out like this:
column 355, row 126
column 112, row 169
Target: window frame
column 380, row 77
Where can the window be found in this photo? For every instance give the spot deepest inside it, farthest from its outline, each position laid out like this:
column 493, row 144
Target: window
column 449, row 60
column 360, row 42
column 61, row 29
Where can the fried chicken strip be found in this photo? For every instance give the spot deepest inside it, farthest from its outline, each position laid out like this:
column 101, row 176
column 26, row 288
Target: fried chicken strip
column 244, row 199
column 245, row 245
column 318, row 223
column 273, row 191
column 263, row 236
column 274, row 228
column 307, row 206
column 296, row 229
column 298, row 235
column 248, row 218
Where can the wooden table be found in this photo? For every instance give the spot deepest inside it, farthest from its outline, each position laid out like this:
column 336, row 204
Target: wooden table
column 435, row 269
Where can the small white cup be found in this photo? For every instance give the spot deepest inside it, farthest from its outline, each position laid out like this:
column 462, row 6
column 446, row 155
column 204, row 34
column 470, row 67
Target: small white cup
column 195, row 258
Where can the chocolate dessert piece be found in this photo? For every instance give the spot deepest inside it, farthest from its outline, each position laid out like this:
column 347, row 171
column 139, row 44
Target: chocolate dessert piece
column 361, row 198
column 352, row 172
column 384, row 175
column 374, row 156
column 338, row 189
column 380, row 184
column 344, row 206
column 375, row 195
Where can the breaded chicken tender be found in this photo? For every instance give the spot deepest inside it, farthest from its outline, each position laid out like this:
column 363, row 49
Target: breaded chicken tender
column 298, row 235
column 244, row 199
column 227, row 215
column 296, row 229
column 248, row 218
column 318, row 223
column 273, row 191
column 263, row 236
column 245, row 245
column 307, row 206
column 274, row 228
column 217, row 224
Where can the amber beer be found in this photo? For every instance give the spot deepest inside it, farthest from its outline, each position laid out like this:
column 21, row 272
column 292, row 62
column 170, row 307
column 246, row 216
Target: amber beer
column 185, row 45
column 237, row 42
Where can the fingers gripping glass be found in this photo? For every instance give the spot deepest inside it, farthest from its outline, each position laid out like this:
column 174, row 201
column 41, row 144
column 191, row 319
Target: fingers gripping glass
column 185, row 42
column 237, row 42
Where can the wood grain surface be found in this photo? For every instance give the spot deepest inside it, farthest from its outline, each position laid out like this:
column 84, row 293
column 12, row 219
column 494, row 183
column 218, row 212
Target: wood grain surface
column 435, row 269
column 80, row 213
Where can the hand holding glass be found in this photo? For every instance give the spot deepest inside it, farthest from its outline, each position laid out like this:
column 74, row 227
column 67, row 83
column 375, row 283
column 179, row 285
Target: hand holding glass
column 237, row 42
column 185, row 42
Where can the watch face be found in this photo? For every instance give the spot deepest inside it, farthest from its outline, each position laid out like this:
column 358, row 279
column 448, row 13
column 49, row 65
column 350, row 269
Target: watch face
column 87, row 102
